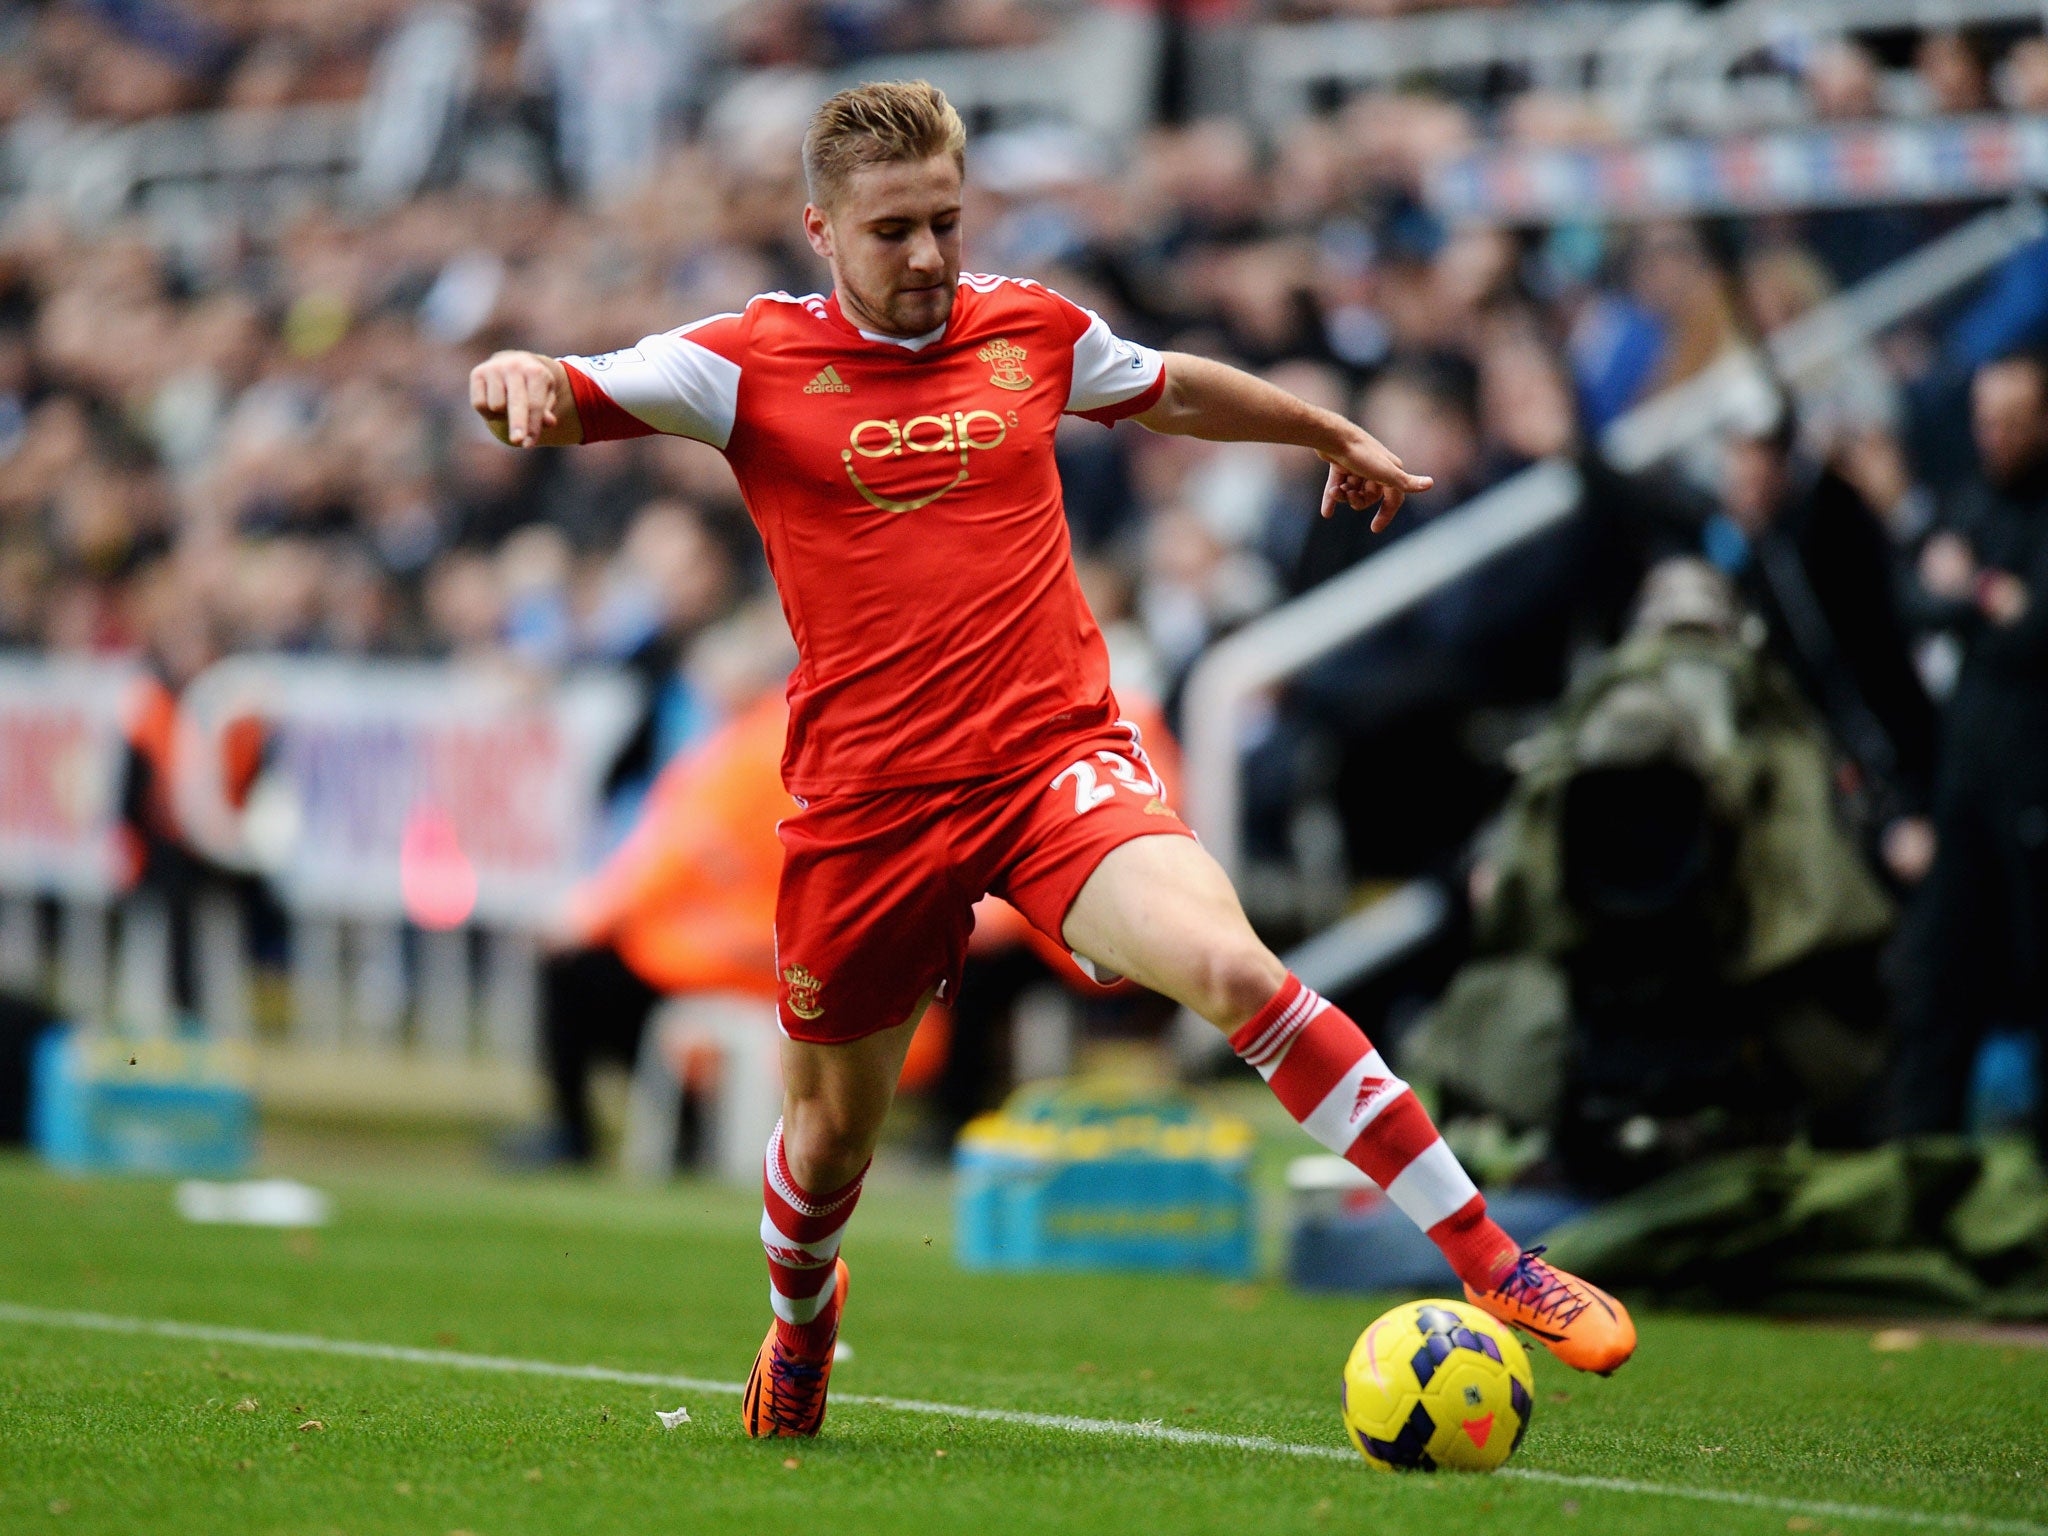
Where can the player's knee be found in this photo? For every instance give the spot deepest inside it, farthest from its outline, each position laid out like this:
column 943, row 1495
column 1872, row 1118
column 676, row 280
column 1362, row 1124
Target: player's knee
column 826, row 1143
column 1236, row 981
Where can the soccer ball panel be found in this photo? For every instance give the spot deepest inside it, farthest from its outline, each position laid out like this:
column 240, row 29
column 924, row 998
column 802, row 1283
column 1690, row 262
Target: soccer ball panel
column 1437, row 1384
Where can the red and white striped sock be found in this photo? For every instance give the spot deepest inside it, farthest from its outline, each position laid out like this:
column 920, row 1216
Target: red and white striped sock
column 1320, row 1065
column 800, row 1233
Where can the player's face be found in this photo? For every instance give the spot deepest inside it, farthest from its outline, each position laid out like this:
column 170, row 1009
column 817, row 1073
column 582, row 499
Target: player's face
column 893, row 239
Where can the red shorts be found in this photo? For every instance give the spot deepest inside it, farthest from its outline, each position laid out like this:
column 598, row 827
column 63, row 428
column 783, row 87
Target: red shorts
column 878, row 890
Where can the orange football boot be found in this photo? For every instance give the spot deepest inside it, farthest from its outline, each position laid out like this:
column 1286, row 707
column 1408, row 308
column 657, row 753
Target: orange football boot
column 786, row 1392
column 1578, row 1322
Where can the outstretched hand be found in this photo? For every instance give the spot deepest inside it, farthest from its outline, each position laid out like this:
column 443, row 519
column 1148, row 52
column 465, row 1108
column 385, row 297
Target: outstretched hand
column 1367, row 477
column 514, row 392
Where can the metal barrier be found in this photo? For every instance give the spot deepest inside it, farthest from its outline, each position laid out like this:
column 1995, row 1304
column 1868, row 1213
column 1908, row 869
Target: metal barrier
column 1705, row 89
column 1570, row 47
column 1672, row 64
column 1702, row 404
column 183, row 166
column 1096, row 74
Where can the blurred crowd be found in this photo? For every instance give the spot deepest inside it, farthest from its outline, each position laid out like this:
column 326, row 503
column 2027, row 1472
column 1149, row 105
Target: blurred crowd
column 261, row 440
column 131, row 60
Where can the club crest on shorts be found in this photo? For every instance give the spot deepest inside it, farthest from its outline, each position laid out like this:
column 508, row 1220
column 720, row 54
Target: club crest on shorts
column 1005, row 358
column 803, row 992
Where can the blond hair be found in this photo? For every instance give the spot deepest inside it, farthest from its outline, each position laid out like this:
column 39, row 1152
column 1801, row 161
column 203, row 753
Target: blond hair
column 878, row 124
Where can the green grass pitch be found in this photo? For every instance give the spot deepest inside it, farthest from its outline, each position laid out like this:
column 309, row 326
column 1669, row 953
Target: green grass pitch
column 111, row 1433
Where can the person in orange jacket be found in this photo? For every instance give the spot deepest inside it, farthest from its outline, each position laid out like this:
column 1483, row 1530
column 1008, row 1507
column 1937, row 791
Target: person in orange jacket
column 163, row 860
column 686, row 903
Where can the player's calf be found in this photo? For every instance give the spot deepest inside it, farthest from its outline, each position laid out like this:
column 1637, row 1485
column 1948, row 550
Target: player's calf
column 1342, row 1091
column 800, row 1233
column 1321, row 1066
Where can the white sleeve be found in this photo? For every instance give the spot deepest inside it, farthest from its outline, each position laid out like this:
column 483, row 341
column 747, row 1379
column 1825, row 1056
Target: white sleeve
column 671, row 383
column 1109, row 370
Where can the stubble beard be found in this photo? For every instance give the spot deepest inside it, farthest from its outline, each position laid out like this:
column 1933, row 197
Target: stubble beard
column 898, row 317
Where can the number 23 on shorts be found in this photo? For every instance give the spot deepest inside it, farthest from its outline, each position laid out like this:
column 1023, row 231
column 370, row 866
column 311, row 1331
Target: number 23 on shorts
column 1090, row 791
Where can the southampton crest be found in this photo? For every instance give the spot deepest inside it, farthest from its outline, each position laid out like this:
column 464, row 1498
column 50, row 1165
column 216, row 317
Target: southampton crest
column 803, row 992
column 1006, row 360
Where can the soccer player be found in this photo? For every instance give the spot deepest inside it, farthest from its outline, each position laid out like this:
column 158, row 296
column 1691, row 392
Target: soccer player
column 952, row 730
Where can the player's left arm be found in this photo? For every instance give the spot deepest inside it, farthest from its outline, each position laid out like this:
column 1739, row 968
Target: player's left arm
column 1207, row 399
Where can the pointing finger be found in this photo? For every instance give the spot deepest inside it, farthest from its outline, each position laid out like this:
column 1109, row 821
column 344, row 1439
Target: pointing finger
column 1389, row 505
column 1331, row 486
column 515, row 410
column 1391, row 472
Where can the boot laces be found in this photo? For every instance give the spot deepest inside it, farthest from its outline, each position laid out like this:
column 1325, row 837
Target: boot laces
column 1548, row 1294
column 794, row 1388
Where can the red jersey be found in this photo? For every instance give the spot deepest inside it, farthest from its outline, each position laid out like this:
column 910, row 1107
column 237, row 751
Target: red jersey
column 906, row 494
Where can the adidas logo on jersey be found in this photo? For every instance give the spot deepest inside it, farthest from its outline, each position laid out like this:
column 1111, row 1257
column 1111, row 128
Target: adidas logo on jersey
column 828, row 382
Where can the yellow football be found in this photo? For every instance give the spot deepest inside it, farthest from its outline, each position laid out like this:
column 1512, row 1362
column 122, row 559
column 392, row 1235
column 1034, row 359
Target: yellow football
column 1437, row 1384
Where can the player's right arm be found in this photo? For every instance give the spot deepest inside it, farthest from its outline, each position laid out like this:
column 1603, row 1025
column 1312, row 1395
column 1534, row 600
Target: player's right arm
column 525, row 399
column 684, row 382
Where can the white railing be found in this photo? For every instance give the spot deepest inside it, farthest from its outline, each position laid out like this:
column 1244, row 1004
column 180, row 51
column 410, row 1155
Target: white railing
column 96, row 172
column 1280, row 644
column 1753, row 23
column 1567, row 47
column 1671, row 64
column 1277, row 646
column 1702, row 90
column 1096, row 73
column 1705, row 403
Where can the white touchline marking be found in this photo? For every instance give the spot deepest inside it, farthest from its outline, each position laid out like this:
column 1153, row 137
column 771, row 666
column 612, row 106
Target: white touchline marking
column 1149, row 1429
